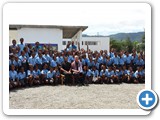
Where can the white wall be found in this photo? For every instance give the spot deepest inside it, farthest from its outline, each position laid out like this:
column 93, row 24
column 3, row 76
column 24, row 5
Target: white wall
column 13, row 35
column 103, row 43
column 42, row 35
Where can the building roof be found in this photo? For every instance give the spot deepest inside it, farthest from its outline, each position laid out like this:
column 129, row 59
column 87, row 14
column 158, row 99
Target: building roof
column 68, row 31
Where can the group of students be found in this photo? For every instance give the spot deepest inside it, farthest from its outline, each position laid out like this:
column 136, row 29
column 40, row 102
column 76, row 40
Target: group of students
column 35, row 65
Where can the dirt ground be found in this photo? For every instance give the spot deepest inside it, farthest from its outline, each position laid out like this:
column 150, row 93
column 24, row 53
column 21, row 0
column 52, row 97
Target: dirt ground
column 103, row 96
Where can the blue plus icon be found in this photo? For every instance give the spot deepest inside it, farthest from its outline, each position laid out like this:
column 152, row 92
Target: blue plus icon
column 147, row 99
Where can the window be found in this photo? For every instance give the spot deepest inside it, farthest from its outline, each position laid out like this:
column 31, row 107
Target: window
column 91, row 42
column 63, row 42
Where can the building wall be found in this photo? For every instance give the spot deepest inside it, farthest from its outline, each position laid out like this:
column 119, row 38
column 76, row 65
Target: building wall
column 42, row 35
column 98, row 43
column 95, row 43
column 13, row 34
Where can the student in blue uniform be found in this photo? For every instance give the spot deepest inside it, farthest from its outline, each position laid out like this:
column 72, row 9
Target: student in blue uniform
column 21, row 45
column 32, row 59
column 44, row 74
column 120, row 74
column 13, row 78
column 37, row 75
column 128, row 60
column 137, row 75
column 30, row 76
column 50, row 76
column 95, row 75
column 17, row 63
column 46, row 57
column 87, row 75
column 22, row 77
column 26, row 52
column 53, row 62
column 115, row 59
column 130, row 74
column 90, row 62
column 103, row 75
column 125, row 74
column 115, row 73
column 110, row 76
column 121, row 61
column 57, row 76
column 23, row 60
column 109, row 62
column 39, row 60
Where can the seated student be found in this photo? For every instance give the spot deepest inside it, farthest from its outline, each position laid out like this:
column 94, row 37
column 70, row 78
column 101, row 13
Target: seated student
column 125, row 75
column 130, row 74
column 87, row 75
column 30, row 76
column 95, row 75
column 139, row 62
column 13, row 78
column 57, row 76
column 11, row 60
column 44, row 74
column 70, row 57
column 137, row 76
column 142, row 74
column 103, row 75
column 115, row 75
column 37, row 75
column 104, row 59
column 120, row 74
column 50, row 76
column 22, row 77
column 26, row 52
column 110, row 76
column 66, row 70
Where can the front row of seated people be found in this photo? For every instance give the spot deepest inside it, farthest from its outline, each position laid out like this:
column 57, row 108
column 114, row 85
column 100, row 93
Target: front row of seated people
column 73, row 74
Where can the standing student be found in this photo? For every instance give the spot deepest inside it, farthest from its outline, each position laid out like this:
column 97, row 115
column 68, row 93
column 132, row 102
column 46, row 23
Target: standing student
column 21, row 45
column 22, row 77
column 115, row 59
column 23, row 60
column 32, row 59
column 13, row 78
column 39, row 60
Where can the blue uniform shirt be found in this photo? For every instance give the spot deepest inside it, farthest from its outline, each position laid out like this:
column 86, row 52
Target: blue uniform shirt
column 32, row 60
column 102, row 72
column 95, row 73
column 21, row 75
column 39, row 60
column 30, row 72
column 13, row 75
column 23, row 59
column 21, row 46
column 87, row 73
column 50, row 74
column 46, row 58
column 36, row 73
column 115, row 60
column 53, row 63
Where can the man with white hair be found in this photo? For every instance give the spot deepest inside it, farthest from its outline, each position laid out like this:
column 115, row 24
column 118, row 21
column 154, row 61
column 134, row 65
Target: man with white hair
column 76, row 67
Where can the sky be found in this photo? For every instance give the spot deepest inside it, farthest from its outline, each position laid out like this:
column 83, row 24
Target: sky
column 101, row 18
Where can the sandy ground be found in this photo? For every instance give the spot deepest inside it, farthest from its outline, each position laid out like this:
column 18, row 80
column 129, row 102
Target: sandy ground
column 94, row 96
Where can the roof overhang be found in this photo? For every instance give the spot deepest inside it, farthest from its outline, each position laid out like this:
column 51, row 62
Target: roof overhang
column 68, row 31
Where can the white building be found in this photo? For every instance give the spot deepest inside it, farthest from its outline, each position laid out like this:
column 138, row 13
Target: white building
column 57, row 36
